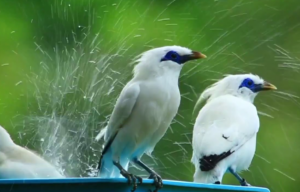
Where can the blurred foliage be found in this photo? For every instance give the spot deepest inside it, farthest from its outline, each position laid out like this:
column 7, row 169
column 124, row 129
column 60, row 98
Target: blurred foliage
column 63, row 63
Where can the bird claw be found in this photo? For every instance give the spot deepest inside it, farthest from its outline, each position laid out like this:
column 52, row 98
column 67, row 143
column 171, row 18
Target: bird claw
column 244, row 183
column 217, row 182
column 131, row 179
column 157, row 181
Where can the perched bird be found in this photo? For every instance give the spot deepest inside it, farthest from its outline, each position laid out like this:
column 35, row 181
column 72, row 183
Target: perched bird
column 143, row 112
column 19, row 163
column 224, row 135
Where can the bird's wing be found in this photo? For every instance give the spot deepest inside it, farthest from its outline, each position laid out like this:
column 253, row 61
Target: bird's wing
column 15, row 170
column 18, row 162
column 222, row 127
column 122, row 110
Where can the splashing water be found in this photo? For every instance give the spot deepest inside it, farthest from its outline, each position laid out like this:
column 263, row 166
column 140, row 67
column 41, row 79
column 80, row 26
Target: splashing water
column 80, row 73
column 70, row 101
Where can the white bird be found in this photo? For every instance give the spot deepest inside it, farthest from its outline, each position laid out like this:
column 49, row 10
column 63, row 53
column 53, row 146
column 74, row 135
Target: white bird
column 143, row 112
column 224, row 135
column 19, row 163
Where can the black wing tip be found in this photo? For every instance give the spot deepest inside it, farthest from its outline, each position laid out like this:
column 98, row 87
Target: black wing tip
column 209, row 162
column 105, row 149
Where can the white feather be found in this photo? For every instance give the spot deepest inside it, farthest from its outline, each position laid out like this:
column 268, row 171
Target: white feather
column 101, row 134
column 229, row 112
column 144, row 109
column 18, row 162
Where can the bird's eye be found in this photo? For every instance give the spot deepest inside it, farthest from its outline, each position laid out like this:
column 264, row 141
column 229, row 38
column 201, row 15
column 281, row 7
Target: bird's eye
column 250, row 82
column 173, row 56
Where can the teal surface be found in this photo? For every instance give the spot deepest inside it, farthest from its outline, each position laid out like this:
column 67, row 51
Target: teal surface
column 112, row 185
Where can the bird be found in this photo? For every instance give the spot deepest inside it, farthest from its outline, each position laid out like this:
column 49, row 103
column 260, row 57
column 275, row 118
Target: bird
column 225, row 130
column 17, row 162
column 143, row 112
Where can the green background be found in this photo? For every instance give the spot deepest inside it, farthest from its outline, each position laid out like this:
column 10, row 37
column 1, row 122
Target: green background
column 63, row 63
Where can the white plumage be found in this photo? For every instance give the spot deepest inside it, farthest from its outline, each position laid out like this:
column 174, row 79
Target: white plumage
column 224, row 136
column 18, row 163
column 144, row 110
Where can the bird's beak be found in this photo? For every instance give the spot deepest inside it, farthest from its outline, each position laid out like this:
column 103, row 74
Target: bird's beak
column 193, row 56
column 197, row 55
column 268, row 86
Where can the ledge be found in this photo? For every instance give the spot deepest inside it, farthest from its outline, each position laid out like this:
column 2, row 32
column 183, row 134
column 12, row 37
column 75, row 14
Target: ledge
column 113, row 185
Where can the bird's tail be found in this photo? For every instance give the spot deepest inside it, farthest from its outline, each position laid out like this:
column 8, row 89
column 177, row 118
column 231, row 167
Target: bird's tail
column 101, row 134
column 200, row 176
column 107, row 169
column 203, row 177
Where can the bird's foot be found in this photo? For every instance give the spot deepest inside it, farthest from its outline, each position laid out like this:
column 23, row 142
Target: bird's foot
column 157, row 181
column 217, row 182
column 244, row 183
column 131, row 179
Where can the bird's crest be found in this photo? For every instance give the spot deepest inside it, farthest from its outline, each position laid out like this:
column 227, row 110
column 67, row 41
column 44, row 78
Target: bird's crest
column 138, row 61
column 5, row 138
column 145, row 61
column 221, row 87
column 206, row 94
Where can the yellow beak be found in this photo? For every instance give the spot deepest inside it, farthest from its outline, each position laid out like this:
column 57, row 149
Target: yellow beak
column 268, row 86
column 197, row 55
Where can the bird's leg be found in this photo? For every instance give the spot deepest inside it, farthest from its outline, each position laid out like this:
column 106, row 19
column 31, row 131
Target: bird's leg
column 131, row 178
column 242, row 181
column 153, row 175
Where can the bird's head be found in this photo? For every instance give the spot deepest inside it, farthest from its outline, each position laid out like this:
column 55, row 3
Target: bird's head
column 5, row 139
column 246, row 86
column 165, row 60
column 253, row 84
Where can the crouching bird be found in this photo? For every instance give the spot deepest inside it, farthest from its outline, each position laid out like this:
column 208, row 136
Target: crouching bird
column 224, row 135
column 143, row 112
column 19, row 163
